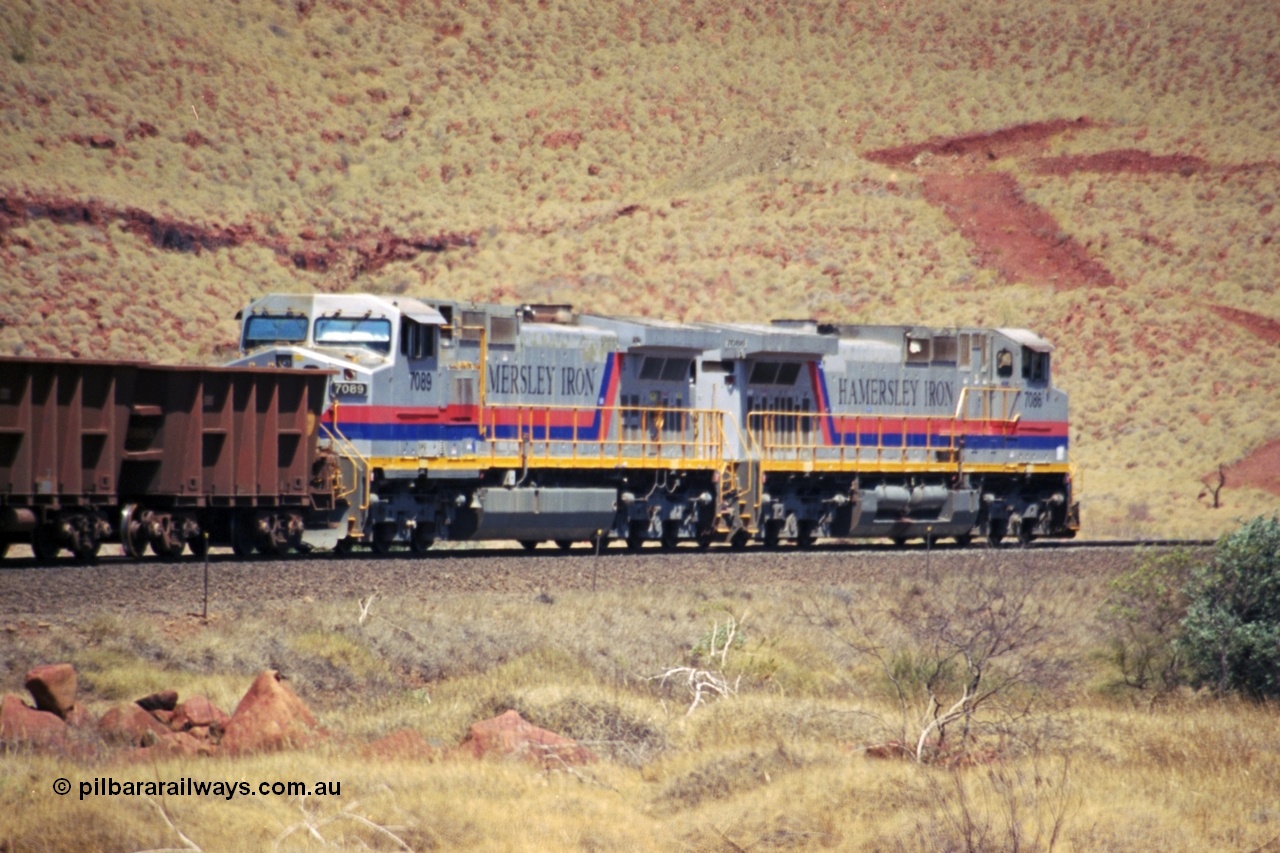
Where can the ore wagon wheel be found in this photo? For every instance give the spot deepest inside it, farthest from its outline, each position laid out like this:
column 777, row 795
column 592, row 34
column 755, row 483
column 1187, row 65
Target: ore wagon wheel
column 86, row 547
column 44, row 543
column 167, row 542
column 772, row 533
column 243, row 533
column 132, row 531
column 275, row 536
column 564, row 544
column 530, row 544
column 963, row 539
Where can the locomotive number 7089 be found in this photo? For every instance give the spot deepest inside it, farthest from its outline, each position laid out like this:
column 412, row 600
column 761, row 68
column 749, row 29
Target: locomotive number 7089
column 349, row 389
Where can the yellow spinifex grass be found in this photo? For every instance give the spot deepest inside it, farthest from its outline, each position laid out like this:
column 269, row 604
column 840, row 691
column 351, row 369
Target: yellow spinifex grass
column 1072, row 763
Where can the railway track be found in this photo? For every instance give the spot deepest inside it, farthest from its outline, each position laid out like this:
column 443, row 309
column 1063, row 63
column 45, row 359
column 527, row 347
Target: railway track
column 68, row 593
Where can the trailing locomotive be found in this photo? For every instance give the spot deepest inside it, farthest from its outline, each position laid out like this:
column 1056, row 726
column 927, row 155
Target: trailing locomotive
column 384, row 421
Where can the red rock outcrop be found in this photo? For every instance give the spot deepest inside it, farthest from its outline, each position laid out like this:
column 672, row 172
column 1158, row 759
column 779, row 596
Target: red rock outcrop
column 20, row 723
column 53, row 687
column 133, row 725
column 269, row 717
column 509, row 734
column 403, row 744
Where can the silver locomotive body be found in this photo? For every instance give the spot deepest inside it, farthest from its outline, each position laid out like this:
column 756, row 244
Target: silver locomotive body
column 530, row 423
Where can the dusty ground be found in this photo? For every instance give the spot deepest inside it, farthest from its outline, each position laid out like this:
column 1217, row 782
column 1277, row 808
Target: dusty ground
column 70, row 595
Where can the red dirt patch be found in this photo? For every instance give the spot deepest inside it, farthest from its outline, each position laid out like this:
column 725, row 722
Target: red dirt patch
column 1013, row 236
column 1259, row 470
column 991, row 145
column 1263, row 327
column 372, row 250
column 1121, row 161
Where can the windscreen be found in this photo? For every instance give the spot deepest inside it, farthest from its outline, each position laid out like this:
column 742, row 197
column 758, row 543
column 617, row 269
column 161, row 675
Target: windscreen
column 263, row 329
column 374, row 333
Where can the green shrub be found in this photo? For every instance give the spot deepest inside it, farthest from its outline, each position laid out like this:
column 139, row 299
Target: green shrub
column 1144, row 610
column 1231, row 634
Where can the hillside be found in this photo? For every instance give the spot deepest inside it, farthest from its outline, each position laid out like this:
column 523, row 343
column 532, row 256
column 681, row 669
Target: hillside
column 1105, row 173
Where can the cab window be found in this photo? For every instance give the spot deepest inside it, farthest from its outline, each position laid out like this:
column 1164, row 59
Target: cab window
column 373, row 333
column 261, row 329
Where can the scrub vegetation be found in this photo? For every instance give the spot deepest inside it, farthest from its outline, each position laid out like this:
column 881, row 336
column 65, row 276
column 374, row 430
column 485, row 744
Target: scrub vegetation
column 958, row 701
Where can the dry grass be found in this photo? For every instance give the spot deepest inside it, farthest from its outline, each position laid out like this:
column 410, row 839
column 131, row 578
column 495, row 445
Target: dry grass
column 687, row 160
column 781, row 764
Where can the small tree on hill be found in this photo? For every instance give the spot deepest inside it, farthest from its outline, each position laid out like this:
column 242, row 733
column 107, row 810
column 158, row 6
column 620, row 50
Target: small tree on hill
column 1232, row 629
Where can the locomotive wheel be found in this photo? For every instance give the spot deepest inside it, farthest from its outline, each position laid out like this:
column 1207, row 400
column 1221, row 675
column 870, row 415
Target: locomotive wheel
column 670, row 535
column 600, row 544
column 739, row 538
column 899, row 541
column 564, row 544
column 421, row 541
column 995, row 532
column 1025, row 535
column 772, row 533
column 344, row 546
column 804, row 536
column 704, row 541
column 636, row 534
column 44, row 543
column 964, row 539
column 530, row 544
column 383, row 536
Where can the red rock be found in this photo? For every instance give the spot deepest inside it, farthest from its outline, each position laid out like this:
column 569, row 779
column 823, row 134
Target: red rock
column 131, row 724
column 181, row 743
column 509, row 734
column 53, row 687
column 80, row 718
column 197, row 711
column 269, row 717
column 404, row 744
column 165, row 699
column 20, row 723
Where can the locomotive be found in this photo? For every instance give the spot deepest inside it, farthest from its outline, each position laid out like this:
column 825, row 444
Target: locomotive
column 388, row 421
column 534, row 423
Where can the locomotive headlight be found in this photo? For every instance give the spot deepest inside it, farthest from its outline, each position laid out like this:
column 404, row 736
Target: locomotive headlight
column 348, row 374
column 284, row 360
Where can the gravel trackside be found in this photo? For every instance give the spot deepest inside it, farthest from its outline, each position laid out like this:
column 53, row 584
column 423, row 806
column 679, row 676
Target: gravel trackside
column 68, row 593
